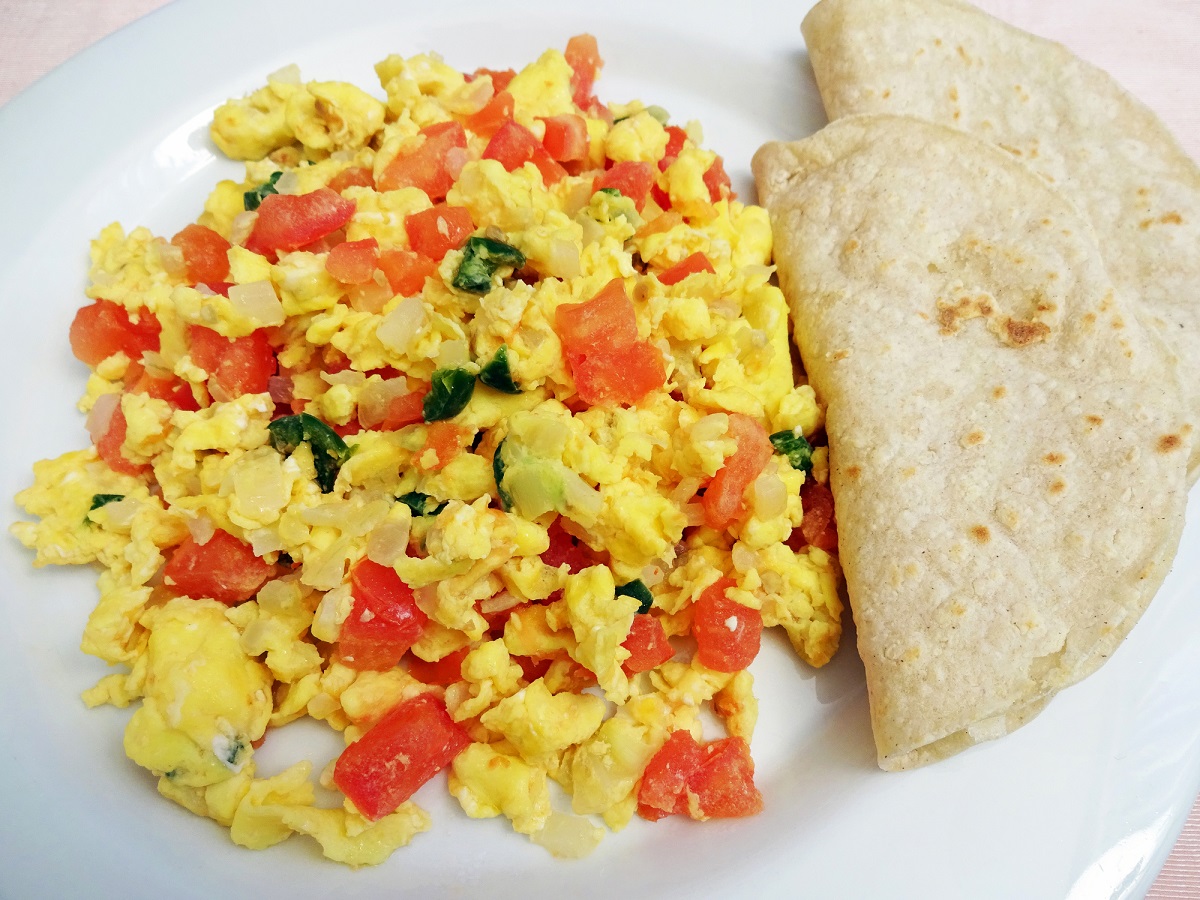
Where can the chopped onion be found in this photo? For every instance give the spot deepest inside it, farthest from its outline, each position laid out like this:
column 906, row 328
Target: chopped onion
column 652, row 575
column 403, row 325
column 388, row 542
column 201, row 528
column 579, row 195
column 289, row 74
column 685, row 490
column 375, row 399
column 563, row 259
column 712, row 427
column 452, row 355
column 243, row 224
column 288, row 183
column 744, row 559
column 694, row 513
column 770, row 495
column 455, row 159
column 121, row 512
column 499, row 603
column 346, row 376
column 593, row 231
column 171, row 259
column 473, row 96
column 568, row 836
column 101, row 415
column 257, row 301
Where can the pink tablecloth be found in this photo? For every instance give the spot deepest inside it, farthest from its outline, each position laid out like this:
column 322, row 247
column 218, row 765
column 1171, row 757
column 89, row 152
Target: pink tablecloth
column 1152, row 47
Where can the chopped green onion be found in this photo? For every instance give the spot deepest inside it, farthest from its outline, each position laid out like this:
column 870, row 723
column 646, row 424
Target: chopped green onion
column 99, row 500
column 639, row 592
column 613, row 191
column 482, row 256
column 449, row 393
column 506, row 500
column 421, row 504
column 251, row 200
column 328, row 449
column 795, row 448
column 498, row 374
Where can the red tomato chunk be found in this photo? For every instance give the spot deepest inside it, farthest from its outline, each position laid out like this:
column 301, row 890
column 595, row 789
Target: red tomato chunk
column 583, row 56
column 110, row 443
column 104, row 328
column 425, row 166
column 205, row 254
column 235, row 366
column 728, row 634
column 566, row 138
column 632, row 179
column 513, row 145
column 693, row 264
column 661, row 792
column 435, row 232
column 406, row 271
column 224, row 569
column 647, row 644
column 498, row 110
column 354, row 176
column 411, row 743
column 384, row 621
column 818, row 527
column 715, row 781
column 353, row 262
column 724, row 501
column 444, row 671
column 288, row 222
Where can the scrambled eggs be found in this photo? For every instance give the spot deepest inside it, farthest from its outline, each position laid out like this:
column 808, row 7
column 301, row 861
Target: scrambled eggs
column 447, row 426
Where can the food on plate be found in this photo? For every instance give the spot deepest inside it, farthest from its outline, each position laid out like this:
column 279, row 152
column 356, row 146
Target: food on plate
column 465, row 422
column 1008, row 444
column 948, row 62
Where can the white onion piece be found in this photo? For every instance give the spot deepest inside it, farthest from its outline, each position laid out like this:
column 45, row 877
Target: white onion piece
column 563, row 259
column 121, row 512
column 578, row 196
column 652, row 575
column 346, row 376
column 171, row 259
column 288, row 183
column 452, row 355
column 388, row 542
column 568, row 836
column 502, row 601
column 712, row 427
column 280, row 388
column 744, row 559
column 593, row 231
column 257, row 301
column 770, row 495
column 685, row 490
column 471, row 97
column 289, row 74
column 243, row 224
column 456, row 158
column 375, row 399
column 101, row 415
column 201, row 528
column 403, row 325
column 694, row 513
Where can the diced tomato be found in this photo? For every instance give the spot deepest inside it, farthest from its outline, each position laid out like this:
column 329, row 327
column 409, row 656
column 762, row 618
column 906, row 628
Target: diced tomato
column 235, row 366
column 435, row 232
column 219, row 287
column 495, row 113
column 533, row 669
column 718, row 182
column 723, row 785
column 444, row 671
column 406, row 271
column 647, row 644
column 675, row 140
column 564, row 548
column 425, row 167
column 566, row 138
column 661, row 197
column 290, row 221
column 819, row 525
column 583, row 56
column 599, row 338
column 223, row 568
column 723, row 498
column 354, row 176
column 446, row 440
column 408, row 409
column 413, row 741
column 665, row 779
column 697, row 262
column 606, row 319
column 500, row 77
column 513, row 145
column 633, row 179
column 384, row 621
column 353, row 262
column 727, row 633
column 205, row 254
column 109, row 446
column 104, row 328
column 174, row 390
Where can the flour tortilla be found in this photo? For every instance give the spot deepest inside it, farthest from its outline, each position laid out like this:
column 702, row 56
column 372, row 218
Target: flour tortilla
column 948, row 62
column 1008, row 445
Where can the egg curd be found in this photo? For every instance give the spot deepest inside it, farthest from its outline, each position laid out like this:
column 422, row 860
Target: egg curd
column 466, row 423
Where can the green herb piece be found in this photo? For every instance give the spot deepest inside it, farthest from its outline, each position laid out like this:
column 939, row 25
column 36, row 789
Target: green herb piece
column 506, row 501
column 482, row 256
column 658, row 114
column 449, row 393
column 795, row 448
column 253, row 199
column 421, row 504
column 639, row 592
column 99, row 500
column 328, row 449
column 497, row 373
column 612, row 191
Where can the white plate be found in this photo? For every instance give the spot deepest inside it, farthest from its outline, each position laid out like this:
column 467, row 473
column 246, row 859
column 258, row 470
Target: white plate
column 1083, row 802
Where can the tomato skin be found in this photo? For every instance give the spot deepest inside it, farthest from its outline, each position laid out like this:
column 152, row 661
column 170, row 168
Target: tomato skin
column 513, row 145
column 104, row 328
column 443, row 672
column 723, row 785
column 425, row 167
column 109, row 446
column 353, row 262
column 445, row 439
column 819, row 525
column 697, row 262
column 495, row 113
column 174, row 390
column 564, row 548
column 633, row 179
column 647, row 644
column 224, row 569
column 723, row 497
column 608, row 318
column 205, row 254
column 353, row 176
column 500, row 77
column 719, row 646
column 718, row 182
column 384, row 621
column 235, row 366
column 406, row 410
column 406, row 271
column 583, row 56
column 661, row 792
column 435, row 232
column 288, row 222
column 676, row 137
column 566, row 138
column 413, row 741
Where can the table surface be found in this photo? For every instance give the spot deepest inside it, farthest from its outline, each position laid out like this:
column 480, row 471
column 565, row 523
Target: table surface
column 1151, row 47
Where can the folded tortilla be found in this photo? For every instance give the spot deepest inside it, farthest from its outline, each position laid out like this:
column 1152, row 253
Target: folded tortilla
column 1008, row 444
column 948, row 62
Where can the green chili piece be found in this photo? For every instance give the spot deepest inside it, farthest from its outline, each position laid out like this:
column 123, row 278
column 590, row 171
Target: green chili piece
column 637, row 590
column 498, row 374
column 795, row 448
column 328, row 449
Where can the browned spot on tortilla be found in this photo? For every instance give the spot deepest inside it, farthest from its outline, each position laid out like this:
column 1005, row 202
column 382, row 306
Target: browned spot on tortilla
column 957, row 115
column 1089, row 318
column 999, row 392
column 1094, row 420
column 954, row 93
column 1143, row 191
column 1021, row 334
column 1057, row 486
column 951, row 315
column 1106, row 303
column 1013, row 150
column 1172, row 218
column 1047, row 222
column 1118, row 322
column 909, row 472
column 850, row 246
column 852, row 472
column 937, row 42
column 980, row 533
column 963, row 53
column 957, row 608
column 1054, row 458
column 1145, row 224
column 887, row 93
column 1168, row 442
column 973, row 438
column 839, row 354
